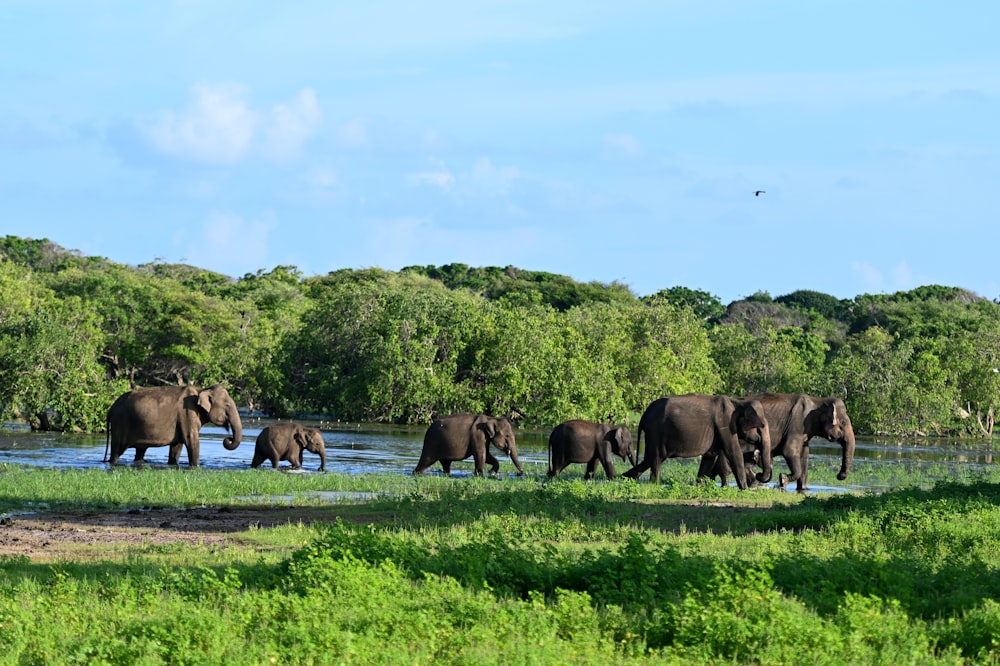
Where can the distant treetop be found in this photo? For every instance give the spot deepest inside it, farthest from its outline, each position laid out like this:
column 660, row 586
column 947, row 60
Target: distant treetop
column 523, row 286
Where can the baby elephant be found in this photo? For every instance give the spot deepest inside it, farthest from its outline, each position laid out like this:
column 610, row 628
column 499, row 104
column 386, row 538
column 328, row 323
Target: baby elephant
column 585, row 442
column 715, row 466
column 285, row 441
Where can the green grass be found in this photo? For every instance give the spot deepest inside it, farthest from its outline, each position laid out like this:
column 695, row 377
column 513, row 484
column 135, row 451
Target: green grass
column 519, row 570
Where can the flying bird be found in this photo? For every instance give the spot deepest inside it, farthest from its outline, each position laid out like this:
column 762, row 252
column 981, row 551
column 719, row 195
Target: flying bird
column 757, row 193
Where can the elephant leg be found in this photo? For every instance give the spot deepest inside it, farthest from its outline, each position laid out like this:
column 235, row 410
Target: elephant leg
column 494, row 463
column 446, row 466
column 425, row 461
column 140, row 455
column 479, row 459
column 591, row 468
column 654, row 470
column 557, row 461
column 797, row 469
column 192, row 451
column 609, row 466
column 707, row 468
column 805, row 470
column 174, row 455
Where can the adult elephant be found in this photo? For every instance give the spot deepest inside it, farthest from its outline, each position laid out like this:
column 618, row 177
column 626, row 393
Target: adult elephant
column 285, row 441
column 795, row 418
column 458, row 436
column 169, row 416
column 685, row 426
column 579, row 441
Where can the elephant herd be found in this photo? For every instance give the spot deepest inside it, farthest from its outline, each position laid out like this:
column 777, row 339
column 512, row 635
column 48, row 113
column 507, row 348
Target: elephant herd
column 173, row 416
column 731, row 435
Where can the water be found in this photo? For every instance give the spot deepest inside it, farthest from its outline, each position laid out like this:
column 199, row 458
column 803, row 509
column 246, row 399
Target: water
column 350, row 449
column 355, row 449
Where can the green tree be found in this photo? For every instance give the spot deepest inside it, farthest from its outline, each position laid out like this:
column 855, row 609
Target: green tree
column 706, row 306
column 671, row 354
column 785, row 360
column 870, row 372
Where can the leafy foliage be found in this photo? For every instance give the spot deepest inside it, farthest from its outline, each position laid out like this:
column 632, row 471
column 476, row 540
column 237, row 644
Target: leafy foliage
column 401, row 347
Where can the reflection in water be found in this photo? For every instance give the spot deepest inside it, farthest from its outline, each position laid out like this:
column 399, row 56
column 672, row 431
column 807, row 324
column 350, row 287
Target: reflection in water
column 362, row 449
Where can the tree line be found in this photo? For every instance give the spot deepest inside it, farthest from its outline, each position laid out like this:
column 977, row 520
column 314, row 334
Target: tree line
column 400, row 347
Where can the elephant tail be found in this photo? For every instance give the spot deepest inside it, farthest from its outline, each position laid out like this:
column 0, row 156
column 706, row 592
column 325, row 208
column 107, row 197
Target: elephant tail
column 550, row 455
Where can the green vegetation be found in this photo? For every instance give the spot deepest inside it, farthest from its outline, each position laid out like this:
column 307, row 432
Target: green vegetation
column 526, row 570
column 398, row 347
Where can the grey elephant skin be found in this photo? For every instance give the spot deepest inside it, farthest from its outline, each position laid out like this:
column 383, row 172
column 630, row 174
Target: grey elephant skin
column 795, row 418
column 286, row 441
column 686, row 426
column 579, row 441
column 170, row 416
column 458, row 436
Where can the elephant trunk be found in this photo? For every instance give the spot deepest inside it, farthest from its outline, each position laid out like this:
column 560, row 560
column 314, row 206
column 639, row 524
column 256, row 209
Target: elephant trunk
column 513, row 458
column 233, row 421
column 848, row 459
column 322, row 458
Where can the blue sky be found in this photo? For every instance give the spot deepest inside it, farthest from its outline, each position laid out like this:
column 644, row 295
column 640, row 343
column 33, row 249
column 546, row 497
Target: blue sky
column 610, row 141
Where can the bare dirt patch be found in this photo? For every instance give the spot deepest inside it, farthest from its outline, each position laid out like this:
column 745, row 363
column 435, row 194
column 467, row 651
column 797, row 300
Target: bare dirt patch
column 47, row 536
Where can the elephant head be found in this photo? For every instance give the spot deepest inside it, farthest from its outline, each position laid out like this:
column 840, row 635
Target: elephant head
column 621, row 444
column 500, row 434
column 311, row 439
column 216, row 406
column 750, row 426
column 830, row 420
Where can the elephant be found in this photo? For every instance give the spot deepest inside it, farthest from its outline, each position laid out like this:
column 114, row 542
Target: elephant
column 580, row 441
column 458, row 436
column 685, row 426
column 795, row 418
column 285, row 441
column 715, row 466
column 169, row 416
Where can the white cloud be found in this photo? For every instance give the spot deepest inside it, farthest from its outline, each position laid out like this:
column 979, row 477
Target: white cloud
column 291, row 125
column 231, row 244
column 218, row 126
column 439, row 177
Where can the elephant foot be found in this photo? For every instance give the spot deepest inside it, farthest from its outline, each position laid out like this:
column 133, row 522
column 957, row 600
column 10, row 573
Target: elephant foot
column 783, row 480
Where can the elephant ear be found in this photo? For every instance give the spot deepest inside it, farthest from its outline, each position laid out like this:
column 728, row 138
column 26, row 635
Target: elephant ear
column 489, row 430
column 616, row 438
column 734, row 421
column 205, row 400
column 300, row 437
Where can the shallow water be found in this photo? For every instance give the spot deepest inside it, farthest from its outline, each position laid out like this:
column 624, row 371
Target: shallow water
column 356, row 449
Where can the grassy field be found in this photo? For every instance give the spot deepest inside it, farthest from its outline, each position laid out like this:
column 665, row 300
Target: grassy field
column 395, row 569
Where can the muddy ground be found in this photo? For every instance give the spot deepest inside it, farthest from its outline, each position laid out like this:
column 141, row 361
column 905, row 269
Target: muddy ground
column 51, row 536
